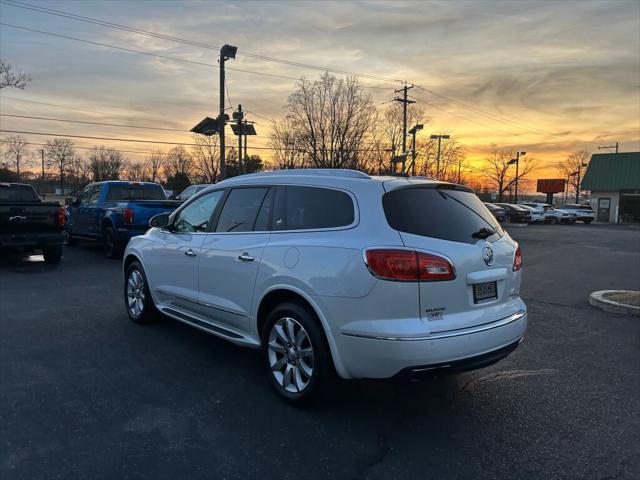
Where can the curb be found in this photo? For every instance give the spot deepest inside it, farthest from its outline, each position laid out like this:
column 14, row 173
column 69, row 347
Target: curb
column 597, row 300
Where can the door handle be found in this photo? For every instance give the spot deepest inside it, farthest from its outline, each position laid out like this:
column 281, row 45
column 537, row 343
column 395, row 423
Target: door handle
column 190, row 253
column 245, row 257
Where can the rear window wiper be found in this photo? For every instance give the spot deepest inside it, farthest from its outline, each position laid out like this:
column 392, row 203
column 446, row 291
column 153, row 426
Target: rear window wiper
column 483, row 233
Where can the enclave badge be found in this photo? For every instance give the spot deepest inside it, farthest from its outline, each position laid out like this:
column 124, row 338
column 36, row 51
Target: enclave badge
column 487, row 255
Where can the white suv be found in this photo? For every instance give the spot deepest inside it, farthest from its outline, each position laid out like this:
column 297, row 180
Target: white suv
column 335, row 271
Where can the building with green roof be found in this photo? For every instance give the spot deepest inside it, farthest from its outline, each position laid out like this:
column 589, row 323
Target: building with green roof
column 614, row 182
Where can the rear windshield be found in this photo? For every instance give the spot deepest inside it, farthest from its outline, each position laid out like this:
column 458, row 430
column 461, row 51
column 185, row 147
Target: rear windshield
column 439, row 213
column 118, row 193
column 17, row 193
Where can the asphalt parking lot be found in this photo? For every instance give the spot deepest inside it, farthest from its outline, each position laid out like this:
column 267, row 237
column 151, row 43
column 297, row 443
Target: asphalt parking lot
column 85, row 393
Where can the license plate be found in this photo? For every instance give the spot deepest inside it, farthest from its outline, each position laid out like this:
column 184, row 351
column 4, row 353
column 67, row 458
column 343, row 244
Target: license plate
column 484, row 291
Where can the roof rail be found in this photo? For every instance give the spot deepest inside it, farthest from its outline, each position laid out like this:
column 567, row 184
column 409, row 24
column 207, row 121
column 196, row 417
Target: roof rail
column 325, row 172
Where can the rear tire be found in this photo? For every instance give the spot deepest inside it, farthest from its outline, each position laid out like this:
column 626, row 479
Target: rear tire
column 295, row 354
column 587, row 222
column 554, row 220
column 137, row 298
column 52, row 255
column 69, row 239
column 110, row 242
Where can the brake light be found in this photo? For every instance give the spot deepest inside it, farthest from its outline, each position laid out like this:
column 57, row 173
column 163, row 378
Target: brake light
column 408, row 266
column 62, row 219
column 127, row 214
column 517, row 260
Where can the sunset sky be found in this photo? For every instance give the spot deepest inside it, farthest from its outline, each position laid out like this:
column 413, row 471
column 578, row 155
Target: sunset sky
column 543, row 76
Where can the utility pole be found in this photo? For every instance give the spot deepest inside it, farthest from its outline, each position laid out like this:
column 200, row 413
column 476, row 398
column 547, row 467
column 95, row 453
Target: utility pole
column 42, row 155
column 579, row 180
column 405, row 102
column 439, row 138
column 246, row 157
column 517, row 162
column 226, row 52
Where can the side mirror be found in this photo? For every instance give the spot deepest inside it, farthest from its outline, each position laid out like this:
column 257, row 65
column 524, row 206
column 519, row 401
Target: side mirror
column 160, row 221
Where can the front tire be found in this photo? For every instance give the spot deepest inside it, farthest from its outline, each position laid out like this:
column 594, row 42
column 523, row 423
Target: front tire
column 587, row 222
column 295, row 353
column 52, row 255
column 137, row 298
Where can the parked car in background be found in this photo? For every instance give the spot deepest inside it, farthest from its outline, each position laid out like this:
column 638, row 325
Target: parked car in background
column 551, row 215
column 189, row 192
column 583, row 213
column 536, row 216
column 496, row 211
column 515, row 213
column 29, row 225
column 113, row 212
column 334, row 270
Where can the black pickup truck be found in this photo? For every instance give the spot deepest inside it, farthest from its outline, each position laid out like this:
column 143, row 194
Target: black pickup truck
column 27, row 224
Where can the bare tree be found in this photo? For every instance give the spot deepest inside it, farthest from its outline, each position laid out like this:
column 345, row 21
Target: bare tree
column 79, row 172
column 178, row 168
column 10, row 78
column 573, row 169
column 106, row 163
column 285, row 141
column 452, row 159
column 497, row 170
column 17, row 152
column 60, row 153
column 154, row 166
column 206, row 156
column 136, row 172
column 333, row 118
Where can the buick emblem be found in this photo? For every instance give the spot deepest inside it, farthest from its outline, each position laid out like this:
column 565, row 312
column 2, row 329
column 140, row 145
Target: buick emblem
column 487, row 255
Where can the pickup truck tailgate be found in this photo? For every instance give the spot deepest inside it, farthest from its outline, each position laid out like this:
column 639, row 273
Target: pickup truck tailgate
column 28, row 217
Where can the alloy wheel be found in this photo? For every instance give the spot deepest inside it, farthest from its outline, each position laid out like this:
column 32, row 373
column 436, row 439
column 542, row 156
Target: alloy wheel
column 135, row 293
column 290, row 355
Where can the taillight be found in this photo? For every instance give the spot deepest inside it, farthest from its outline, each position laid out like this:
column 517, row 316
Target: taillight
column 517, row 260
column 408, row 266
column 433, row 268
column 61, row 217
column 127, row 214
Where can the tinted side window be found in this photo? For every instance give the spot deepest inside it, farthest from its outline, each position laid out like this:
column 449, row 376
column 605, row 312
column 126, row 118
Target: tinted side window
column 439, row 213
column 195, row 217
column 309, row 208
column 93, row 194
column 240, row 211
column 263, row 222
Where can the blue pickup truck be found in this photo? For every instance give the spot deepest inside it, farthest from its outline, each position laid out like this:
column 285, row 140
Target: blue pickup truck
column 113, row 212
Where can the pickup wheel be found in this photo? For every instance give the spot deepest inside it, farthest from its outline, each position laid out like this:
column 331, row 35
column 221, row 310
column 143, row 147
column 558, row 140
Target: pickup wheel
column 295, row 353
column 587, row 222
column 110, row 242
column 137, row 298
column 52, row 255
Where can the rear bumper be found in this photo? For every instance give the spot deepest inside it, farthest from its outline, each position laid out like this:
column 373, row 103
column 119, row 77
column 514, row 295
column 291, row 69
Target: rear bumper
column 30, row 241
column 475, row 347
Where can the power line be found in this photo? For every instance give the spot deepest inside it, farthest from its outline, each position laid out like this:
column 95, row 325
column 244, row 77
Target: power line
column 489, row 114
column 133, row 140
column 142, row 52
column 50, row 119
column 184, row 41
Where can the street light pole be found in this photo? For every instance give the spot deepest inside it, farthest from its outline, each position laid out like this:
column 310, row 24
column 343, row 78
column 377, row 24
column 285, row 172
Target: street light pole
column 226, row 52
column 439, row 138
column 414, row 130
column 517, row 162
